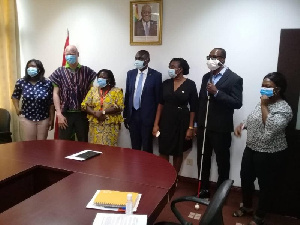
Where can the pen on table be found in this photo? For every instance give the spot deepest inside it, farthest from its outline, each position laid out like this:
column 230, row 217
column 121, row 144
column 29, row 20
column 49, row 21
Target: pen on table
column 120, row 209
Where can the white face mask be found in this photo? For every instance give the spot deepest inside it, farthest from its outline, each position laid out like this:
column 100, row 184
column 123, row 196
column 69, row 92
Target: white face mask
column 139, row 64
column 172, row 73
column 213, row 64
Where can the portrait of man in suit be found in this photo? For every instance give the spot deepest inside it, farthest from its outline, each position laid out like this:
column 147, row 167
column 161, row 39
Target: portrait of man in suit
column 221, row 90
column 143, row 89
column 145, row 26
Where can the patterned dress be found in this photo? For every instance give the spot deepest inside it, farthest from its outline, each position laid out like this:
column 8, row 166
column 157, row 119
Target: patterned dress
column 104, row 132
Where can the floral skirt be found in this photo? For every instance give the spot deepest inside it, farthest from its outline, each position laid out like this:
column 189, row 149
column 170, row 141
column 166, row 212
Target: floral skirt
column 104, row 134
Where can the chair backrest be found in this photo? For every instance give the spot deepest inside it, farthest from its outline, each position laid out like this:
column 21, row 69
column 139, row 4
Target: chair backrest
column 213, row 213
column 4, row 120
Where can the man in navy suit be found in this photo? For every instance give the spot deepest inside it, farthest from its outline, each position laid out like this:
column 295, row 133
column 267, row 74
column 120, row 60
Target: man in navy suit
column 143, row 88
column 224, row 89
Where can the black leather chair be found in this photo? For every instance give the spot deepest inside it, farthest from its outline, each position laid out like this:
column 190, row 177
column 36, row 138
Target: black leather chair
column 213, row 213
column 5, row 134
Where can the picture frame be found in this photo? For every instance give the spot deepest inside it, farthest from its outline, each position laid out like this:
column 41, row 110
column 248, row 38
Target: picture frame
column 146, row 22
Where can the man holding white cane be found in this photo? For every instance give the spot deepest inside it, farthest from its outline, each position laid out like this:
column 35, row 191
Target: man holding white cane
column 220, row 93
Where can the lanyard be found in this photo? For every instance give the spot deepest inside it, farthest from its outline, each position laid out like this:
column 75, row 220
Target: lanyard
column 102, row 97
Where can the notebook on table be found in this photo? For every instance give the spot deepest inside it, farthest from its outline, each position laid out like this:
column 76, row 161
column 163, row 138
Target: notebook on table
column 108, row 198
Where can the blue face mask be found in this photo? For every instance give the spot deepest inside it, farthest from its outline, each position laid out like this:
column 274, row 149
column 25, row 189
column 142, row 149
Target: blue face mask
column 71, row 59
column 32, row 71
column 101, row 82
column 269, row 92
column 172, row 73
column 139, row 64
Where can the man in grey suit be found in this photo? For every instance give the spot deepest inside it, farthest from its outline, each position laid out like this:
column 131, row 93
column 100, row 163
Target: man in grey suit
column 146, row 26
column 225, row 89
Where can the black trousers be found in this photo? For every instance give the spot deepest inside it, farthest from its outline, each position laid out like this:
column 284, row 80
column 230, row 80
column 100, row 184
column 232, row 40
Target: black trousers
column 140, row 134
column 77, row 124
column 220, row 143
column 268, row 169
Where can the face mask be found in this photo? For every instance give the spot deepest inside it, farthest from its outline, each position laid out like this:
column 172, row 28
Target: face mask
column 139, row 64
column 71, row 59
column 32, row 71
column 101, row 82
column 172, row 73
column 213, row 64
column 269, row 92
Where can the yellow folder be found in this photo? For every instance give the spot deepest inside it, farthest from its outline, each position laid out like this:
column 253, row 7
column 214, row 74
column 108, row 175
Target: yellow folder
column 108, row 198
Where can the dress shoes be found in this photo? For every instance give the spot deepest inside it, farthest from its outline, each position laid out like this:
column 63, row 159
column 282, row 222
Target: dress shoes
column 204, row 193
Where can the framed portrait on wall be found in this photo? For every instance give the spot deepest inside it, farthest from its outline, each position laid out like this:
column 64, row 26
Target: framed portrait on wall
column 146, row 22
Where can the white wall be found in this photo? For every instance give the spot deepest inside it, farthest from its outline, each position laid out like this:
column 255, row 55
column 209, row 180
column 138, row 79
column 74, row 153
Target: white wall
column 248, row 30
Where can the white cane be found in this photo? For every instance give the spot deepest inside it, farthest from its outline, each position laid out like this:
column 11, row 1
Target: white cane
column 203, row 143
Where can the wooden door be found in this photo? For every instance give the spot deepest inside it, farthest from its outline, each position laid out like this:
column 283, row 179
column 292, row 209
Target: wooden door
column 289, row 65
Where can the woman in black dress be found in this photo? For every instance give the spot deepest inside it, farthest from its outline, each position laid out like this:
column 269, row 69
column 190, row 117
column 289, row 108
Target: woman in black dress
column 175, row 113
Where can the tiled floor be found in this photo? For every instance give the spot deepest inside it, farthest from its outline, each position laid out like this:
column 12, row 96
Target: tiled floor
column 187, row 187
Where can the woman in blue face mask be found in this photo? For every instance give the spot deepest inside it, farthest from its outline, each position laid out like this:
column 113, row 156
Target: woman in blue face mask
column 265, row 154
column 36, row 114
column 104, row 104
column 174, row 122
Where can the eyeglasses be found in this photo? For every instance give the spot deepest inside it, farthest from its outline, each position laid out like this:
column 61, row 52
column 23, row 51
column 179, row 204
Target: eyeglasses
column 213, row 57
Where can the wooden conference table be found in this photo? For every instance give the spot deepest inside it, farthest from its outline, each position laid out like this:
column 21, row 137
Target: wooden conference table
column 38, row 185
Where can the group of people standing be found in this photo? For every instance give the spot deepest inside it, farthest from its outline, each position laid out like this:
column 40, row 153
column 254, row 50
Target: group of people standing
column 170, row 110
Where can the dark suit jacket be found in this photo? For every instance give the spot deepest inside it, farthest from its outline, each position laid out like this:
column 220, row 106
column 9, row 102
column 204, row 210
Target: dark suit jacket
column 221, row 107
column 139, row 28
column 150, row 95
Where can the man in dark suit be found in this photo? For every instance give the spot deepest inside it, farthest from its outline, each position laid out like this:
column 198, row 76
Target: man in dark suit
column 143, row 88
column 223, row 89
column 145, row 26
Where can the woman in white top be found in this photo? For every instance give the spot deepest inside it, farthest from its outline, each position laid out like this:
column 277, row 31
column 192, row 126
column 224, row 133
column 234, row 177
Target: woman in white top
column 264, row 154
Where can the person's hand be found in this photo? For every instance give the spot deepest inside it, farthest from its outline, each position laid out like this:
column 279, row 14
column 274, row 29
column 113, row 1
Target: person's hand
column 238, row 130
column 18, row 111
column 155, row 130
column 211, row 88
column 50, row 125
column 189, row 134
column 62, row 121
column 264, row 100
column 126, row 124
column 99, row 115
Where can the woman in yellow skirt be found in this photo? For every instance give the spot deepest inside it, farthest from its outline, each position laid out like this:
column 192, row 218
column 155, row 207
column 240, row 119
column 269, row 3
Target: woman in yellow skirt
column 104, row 105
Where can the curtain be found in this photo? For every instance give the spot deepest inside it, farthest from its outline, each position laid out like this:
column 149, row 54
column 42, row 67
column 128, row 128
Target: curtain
column 9, row 59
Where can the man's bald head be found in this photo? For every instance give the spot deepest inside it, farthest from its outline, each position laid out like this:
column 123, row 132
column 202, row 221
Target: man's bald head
column 146, row 13
column 71, row 50
column 72, row 54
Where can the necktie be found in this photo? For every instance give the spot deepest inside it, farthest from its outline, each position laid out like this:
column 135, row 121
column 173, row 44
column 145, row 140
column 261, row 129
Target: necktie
column 146, row 29
column 138, row 93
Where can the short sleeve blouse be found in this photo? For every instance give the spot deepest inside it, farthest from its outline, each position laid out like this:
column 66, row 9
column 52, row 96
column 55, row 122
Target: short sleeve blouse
column 36, row 98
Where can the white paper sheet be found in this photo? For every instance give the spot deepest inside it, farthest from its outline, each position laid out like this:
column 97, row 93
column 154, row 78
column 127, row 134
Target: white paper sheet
column 119, row 219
